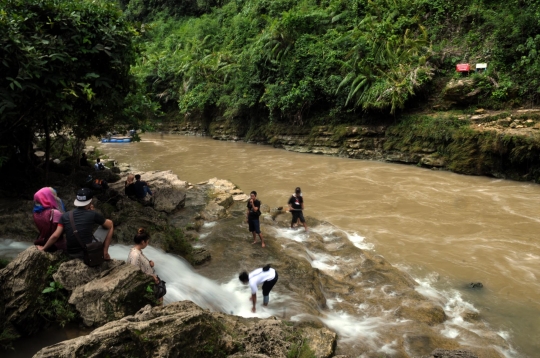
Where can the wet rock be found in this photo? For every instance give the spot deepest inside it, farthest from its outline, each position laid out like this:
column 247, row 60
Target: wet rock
column 423, row 311
column 470, row 316
column 184, row 329
column 433, row 161
column 461, row 90
column 321, row 341
column 116, row 293
column 241, row 197
column 458, row 353
column 200, row 256
column 476, row 285
column 213, row 212
column 21, row 284
column 480, row 111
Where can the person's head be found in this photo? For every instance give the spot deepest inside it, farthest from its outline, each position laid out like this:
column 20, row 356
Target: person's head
column 98, row 160
column 244, row 277
column 298, row 191
column 142, row 237
column 48, row 198
column 266, row 268
column 138, row 177
column 130, row 178
column 253, row 194
column 84, row 198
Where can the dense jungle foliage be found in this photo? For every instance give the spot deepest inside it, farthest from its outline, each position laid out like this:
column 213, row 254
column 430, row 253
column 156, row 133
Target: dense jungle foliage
column 65, row 71
column 330, row 61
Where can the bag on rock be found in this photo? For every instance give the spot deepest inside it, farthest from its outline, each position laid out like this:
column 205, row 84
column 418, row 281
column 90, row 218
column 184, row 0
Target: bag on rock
column 160, row 289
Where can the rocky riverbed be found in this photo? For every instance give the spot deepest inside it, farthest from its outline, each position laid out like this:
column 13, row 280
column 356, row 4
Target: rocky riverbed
column 321, row 298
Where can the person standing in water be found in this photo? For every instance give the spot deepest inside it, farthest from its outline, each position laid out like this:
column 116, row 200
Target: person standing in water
column 252, row 217
column 266, row 276
column 296, row 205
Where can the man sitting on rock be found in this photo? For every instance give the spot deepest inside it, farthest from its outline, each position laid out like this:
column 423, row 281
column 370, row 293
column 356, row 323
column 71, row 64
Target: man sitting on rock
column 141, row 188
column 85, row 219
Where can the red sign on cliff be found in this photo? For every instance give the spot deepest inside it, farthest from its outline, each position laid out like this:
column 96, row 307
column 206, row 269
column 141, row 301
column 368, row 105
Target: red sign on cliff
column 463, row 67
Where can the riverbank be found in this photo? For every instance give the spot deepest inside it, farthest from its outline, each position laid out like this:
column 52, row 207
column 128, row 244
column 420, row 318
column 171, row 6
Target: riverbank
column 500, row 144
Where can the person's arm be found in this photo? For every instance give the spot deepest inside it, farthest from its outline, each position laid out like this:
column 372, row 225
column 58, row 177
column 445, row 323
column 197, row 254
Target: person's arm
column 54, row 237
column 256, row 208
column 254, row 300
column 302, row 203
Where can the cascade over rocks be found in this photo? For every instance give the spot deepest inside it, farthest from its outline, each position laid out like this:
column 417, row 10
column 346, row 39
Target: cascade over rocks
column 183, row 329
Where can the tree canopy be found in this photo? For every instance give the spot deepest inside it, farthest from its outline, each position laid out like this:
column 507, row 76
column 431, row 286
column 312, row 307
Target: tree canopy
column 65, row 66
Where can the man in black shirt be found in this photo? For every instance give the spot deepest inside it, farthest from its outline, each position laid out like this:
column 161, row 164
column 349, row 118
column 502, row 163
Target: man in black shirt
column 141, row 188
column 85, row 219
column 296, row 205
column 252, row 217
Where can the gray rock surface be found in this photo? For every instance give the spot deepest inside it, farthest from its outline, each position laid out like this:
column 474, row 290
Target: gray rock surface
column 183, row 329
column 113, row 294
column 21, row 283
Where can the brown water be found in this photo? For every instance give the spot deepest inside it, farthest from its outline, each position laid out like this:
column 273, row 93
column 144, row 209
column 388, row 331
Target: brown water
column 446, row 230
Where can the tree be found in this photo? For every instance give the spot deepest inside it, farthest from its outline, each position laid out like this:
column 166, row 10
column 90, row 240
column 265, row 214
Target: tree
column 65, row 67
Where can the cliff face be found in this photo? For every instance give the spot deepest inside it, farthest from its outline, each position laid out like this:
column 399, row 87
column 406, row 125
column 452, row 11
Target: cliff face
column 501, row 144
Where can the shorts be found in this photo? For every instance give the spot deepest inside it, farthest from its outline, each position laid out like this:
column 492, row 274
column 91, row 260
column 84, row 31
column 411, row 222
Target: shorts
column 297, row 215
column 268, row 285
column 254, row 225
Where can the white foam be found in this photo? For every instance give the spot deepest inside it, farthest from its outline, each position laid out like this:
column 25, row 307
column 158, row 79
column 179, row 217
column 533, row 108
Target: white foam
column 209, row 224
column 185, row 284
column 11, row 248
column 291, row 234
column 359, row 241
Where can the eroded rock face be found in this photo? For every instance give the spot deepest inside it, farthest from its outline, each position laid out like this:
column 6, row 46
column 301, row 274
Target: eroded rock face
column 113, row 294
column 183, row 329
column 21, row 283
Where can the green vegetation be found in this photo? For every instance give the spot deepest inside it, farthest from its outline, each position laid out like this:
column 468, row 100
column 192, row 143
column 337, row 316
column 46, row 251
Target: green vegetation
column 301, row 62
column 65, row 70
column 53, row 301
column 3, row 263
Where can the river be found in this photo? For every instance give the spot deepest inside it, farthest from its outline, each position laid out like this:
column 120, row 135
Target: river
column 444, row 229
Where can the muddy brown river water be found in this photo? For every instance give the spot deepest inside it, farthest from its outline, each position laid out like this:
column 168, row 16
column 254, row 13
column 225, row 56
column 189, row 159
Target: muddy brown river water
column 444, row 229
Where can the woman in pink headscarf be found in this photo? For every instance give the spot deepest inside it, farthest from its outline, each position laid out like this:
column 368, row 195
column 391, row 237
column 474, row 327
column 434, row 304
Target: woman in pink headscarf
column 48, row 208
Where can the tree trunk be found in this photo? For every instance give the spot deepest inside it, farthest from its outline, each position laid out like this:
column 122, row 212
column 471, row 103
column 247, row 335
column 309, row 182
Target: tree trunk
column 47, row 150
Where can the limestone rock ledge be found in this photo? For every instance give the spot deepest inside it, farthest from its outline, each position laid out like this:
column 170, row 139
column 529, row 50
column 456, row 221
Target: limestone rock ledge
column 183, row 329
column 98, row 294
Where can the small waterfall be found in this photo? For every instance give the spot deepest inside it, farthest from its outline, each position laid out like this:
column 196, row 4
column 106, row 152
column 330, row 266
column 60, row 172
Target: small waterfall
column 183, row 283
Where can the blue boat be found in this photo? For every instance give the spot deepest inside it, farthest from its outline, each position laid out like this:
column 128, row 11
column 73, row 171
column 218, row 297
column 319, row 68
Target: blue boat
column 116, row 140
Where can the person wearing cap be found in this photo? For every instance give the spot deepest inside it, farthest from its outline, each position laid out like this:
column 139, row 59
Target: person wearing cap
column 85, row 219
column 296, row 205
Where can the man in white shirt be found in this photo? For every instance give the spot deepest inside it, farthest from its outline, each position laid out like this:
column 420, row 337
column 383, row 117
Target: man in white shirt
column 266, row 276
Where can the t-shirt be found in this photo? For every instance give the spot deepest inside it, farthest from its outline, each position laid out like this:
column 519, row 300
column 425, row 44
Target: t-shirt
column 254, row 215
column 258, row 276
column 137, row 258
column 130, row 190
column 138, row 187
column 85, row 221
column 46, row 227
column 296, row 201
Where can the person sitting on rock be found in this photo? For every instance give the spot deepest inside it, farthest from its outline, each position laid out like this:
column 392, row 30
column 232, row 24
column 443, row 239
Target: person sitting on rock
column 85, row 218
column 265, row 275
column 48, row 209
column 129, row 186
column 83, row 162
column 99, row 165
column 137, row 258
column 141, row 188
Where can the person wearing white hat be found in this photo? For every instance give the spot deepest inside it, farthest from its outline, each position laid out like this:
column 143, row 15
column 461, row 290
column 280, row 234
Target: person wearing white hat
column 85, row 218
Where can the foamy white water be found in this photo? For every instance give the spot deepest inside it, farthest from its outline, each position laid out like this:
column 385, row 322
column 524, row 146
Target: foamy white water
column 185, row 284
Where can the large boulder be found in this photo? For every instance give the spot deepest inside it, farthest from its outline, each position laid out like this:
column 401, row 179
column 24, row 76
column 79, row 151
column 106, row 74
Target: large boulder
column 183, row 329
column 113, row 294
column 21, row 284
column 461, row 90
